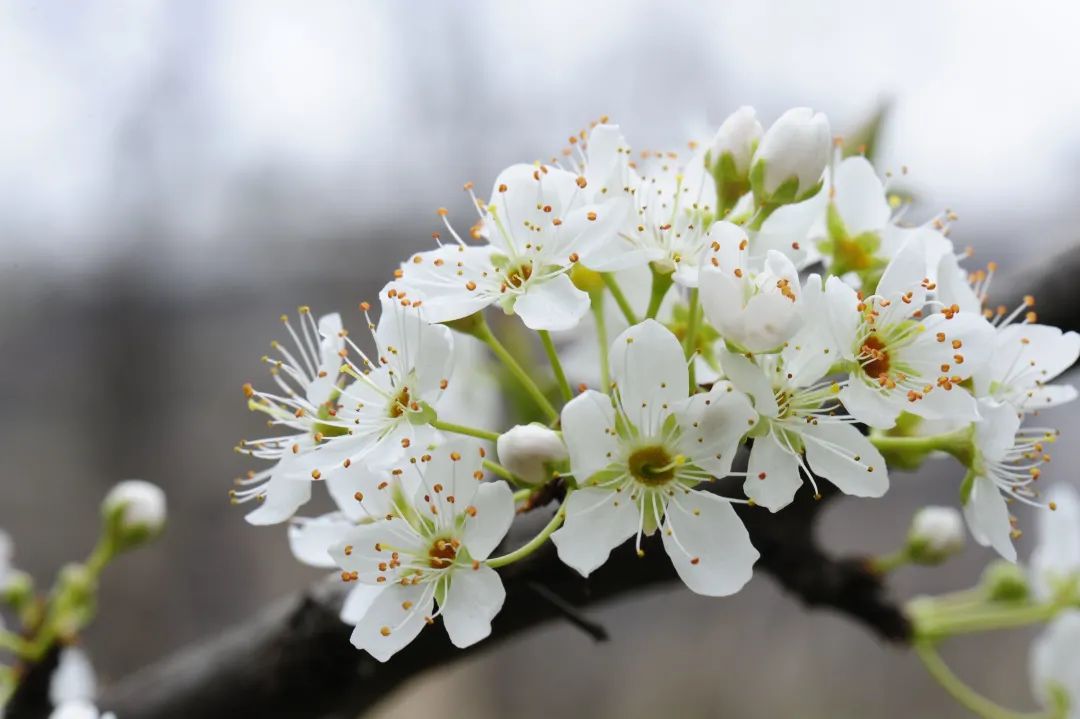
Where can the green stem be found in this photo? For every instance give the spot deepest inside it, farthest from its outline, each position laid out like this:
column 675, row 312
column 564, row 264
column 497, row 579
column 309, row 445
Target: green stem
column 620, row 298
column 890, row 562
column 501, row 471
column 483, row 332
column 556, row 365
column 15, row 644
column 462, row 429
column 533, row 544
column 969, row 620
column 661, row 283
column 960, row 691
column 522, row 494
column 691, row 336
column 602, row 339
column 955, row 443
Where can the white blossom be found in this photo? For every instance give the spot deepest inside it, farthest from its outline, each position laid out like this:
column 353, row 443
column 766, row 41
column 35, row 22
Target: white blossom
column 902, row 355
column 638, row 457
column 337, row 425
column 1025, row 358
column 537, row 224
column 801, row 430
column 756, row 309
column 431, row 549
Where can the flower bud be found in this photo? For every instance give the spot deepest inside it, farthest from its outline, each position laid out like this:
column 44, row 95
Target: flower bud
column 788, row 164
column 729, row 156
column 737, row 138
column 530, row 451
column 1005, row 582
column 936, row 534
column 134, row 512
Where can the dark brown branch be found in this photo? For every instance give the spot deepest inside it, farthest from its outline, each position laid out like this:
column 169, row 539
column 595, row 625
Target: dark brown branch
column 295, row 659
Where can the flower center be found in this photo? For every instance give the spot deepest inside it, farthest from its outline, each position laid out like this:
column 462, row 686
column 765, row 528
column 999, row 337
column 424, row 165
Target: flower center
column 519, row 275
column 652, row 466
column 400, row 404
column 442, row 553
column 875, row 357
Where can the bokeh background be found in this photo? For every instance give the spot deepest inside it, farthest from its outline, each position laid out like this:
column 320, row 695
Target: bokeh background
column 174, row 174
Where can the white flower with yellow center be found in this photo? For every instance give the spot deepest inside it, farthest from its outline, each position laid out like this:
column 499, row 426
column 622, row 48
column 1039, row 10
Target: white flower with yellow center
column 538, row 224
column 1005, row 465
column 801, row 431
column 902, row 355
column 429, row 551
column 376, row 417
column 638, row 457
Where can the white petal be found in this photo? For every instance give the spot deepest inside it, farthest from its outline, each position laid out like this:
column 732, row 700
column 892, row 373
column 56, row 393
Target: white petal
column 703, row 527
column 77, row 709
column 444, row 293
column 358, row 601
column 995, row 432
column 553, row 304
column 597, row 521
column 813, row 350
column 388, row 626
column 367, row 547
column 455, row 465
column 310, row 539
column 752, row 380
column 331, row 342
column 588, row 423
column 412, row 344
column 770, row 320
column 359, row 477
column 649, row 369
column 1055, row 661
column 494, row 504
column 842, row 301
column 987, row 517
column 712, row 424
column 860, row 196
column 955, row 404
column 772, row 475
column 474, row 598
column 868, row 405
column 1046, row 396
column 831, row 449
column 282, row 497
column 906, row 270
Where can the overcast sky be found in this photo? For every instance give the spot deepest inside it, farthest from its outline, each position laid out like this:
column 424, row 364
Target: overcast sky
column 188, row 117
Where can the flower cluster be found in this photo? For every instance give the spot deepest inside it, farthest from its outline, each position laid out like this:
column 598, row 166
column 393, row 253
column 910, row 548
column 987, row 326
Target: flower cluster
column 778, row 322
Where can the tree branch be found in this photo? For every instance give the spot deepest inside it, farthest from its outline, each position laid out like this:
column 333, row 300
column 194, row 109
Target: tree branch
column 295, row 659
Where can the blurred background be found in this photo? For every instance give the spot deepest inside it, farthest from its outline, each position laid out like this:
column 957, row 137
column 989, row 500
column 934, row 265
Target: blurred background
column 175, row 174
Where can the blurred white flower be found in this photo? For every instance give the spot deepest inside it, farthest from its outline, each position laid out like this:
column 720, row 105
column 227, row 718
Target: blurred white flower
column 737, row 139
column 1055, row 562
column 141, row 505
column 639, row 456
column 1054, row 664
column 936, row 533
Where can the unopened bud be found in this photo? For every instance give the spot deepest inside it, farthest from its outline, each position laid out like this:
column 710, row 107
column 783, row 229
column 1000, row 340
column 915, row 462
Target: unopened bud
column 791, row 159
column 936, row 534
column 134, row 512
column 1005, row 582
column 531, row 451
column 737, row 138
